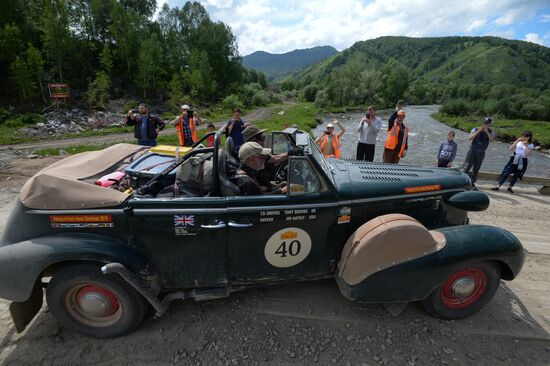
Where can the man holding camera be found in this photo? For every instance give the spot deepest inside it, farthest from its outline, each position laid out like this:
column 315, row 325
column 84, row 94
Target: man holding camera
column 185, row 127
column 146, row 126
column 480, row 137
column 368, row 130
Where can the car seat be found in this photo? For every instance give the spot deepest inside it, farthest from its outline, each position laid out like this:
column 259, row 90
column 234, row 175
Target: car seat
column 227, row 188
column 232, row 157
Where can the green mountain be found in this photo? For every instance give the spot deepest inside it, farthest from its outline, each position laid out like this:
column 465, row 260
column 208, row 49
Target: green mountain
column 463, row 60
column 277, row 65
column 468, row 75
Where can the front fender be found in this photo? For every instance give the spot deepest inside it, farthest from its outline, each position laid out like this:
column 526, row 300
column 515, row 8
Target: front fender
column 22, row 263
column 416, row 279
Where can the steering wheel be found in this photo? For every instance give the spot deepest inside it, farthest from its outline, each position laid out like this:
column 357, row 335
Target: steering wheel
column 281, row 175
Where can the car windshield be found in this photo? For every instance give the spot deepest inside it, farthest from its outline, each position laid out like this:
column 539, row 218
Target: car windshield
column 321, row 160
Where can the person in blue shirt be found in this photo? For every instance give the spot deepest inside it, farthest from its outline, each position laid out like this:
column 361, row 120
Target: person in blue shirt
column 146, row 126
column 447, row 151
column 234, row 129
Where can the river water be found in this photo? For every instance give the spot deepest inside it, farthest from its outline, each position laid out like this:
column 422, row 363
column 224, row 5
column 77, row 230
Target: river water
column 426, row 134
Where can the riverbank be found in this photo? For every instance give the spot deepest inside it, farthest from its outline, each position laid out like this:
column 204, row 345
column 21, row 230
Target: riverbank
column 507, row 130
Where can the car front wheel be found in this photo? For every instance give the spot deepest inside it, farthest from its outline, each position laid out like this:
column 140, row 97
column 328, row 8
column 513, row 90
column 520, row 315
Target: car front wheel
column 89, row 302
column 464, row 292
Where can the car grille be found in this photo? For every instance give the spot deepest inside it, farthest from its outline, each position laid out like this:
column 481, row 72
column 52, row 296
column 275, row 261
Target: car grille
column 389, row 172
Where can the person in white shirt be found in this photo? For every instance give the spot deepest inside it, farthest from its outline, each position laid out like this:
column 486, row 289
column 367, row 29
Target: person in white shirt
column 517, row 165
column 368, row 130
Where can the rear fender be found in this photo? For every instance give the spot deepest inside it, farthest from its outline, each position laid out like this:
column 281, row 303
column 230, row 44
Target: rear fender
column 414, row 280
column 22, row 264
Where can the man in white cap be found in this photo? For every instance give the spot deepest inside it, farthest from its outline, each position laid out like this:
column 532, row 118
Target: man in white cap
column 185, row 127
column 328, row 142
column 248, row 178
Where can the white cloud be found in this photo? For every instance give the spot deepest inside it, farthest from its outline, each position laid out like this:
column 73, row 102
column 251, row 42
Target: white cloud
column 283, row 25
column 534, row 38
column 545, row 18
column 476, row 24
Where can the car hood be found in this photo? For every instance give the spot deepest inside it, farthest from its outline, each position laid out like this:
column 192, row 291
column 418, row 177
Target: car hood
column 359, row 179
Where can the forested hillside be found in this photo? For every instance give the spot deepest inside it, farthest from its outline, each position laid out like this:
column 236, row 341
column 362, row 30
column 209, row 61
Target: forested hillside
column 113, row 48
column 484, row 75
column 276, row 65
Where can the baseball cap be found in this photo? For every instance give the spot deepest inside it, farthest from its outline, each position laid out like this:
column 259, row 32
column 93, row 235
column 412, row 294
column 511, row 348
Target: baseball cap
column 185, row 106
column 251, row 131
column 487, row 120
column 249, row 149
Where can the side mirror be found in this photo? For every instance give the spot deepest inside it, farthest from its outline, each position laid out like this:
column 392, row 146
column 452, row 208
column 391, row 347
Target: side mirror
column 302, row 139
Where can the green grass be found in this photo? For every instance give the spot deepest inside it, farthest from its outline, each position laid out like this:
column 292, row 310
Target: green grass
column 506, row 129
column 302, row 114
column 70, row 150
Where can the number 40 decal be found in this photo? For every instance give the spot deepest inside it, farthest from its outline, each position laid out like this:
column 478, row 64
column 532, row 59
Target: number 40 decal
column 287, row 247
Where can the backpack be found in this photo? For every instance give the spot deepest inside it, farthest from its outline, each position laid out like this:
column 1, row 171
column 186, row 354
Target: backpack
column 195, row 174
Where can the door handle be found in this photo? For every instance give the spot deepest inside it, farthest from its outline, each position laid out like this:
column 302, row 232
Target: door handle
column 219, row 225
column 235, row 224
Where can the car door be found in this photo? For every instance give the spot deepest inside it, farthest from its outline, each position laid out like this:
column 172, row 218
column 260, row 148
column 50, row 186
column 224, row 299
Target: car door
column 282, row 237
column 184, row 238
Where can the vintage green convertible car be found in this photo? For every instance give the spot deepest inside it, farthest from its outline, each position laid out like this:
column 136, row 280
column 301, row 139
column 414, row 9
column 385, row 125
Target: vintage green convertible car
column 387, row 234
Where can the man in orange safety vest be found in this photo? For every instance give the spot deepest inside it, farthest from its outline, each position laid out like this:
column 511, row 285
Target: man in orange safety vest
column 185, row 127
column 397, row 141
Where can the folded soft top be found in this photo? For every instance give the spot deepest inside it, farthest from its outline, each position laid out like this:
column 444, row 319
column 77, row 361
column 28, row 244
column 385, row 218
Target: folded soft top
column 61, row 185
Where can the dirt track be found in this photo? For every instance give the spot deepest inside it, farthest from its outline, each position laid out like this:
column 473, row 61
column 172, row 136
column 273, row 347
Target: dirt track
column 311, row 323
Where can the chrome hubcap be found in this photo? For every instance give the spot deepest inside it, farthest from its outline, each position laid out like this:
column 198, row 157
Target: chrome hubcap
column 95, row 304
column 463, row 287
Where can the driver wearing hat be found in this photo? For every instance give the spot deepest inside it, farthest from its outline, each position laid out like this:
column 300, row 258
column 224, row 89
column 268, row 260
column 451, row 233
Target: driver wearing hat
column 249, row 178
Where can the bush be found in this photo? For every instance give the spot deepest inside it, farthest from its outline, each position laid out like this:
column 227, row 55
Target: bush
column 22, row 120
column 4, row 114
column 231, row 102
column 260, row 98
column 310, row 93
column 98, row 90
column 321, row 99
column 533, row 111
column 455, row 107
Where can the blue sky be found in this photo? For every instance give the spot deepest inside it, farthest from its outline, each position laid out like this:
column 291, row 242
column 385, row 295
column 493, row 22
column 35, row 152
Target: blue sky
column 285, row 25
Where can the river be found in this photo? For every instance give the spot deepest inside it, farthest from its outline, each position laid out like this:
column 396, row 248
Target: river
column 426, row 134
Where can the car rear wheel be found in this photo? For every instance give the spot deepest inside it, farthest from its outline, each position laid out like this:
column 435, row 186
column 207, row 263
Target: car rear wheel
column 89, row 302
column 464, row 292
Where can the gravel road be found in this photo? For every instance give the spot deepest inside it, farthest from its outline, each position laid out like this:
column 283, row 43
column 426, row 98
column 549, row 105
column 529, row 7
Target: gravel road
column 311, row 323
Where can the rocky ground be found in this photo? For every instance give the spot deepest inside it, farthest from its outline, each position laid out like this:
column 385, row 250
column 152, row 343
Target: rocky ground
column 311, row 323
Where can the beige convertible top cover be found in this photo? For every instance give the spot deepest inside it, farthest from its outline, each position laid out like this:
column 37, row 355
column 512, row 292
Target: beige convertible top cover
column 59, row 186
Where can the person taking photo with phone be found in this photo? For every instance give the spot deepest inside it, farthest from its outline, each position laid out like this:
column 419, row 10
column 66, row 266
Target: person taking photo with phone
column 517, row 164
column 480, row 137
column 146, row 126
column 368, row 129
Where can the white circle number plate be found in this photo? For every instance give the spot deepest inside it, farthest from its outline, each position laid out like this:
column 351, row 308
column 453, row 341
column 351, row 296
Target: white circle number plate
column 287, row 247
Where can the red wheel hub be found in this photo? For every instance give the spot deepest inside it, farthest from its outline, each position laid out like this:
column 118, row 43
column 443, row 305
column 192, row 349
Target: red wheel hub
column 463, row 288
column 97, row 301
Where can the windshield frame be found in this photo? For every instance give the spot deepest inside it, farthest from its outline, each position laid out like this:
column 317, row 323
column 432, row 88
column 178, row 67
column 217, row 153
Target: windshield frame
column 323, row 162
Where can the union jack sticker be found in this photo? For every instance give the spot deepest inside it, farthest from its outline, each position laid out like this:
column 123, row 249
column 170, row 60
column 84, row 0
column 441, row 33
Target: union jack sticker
column 184, row 220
